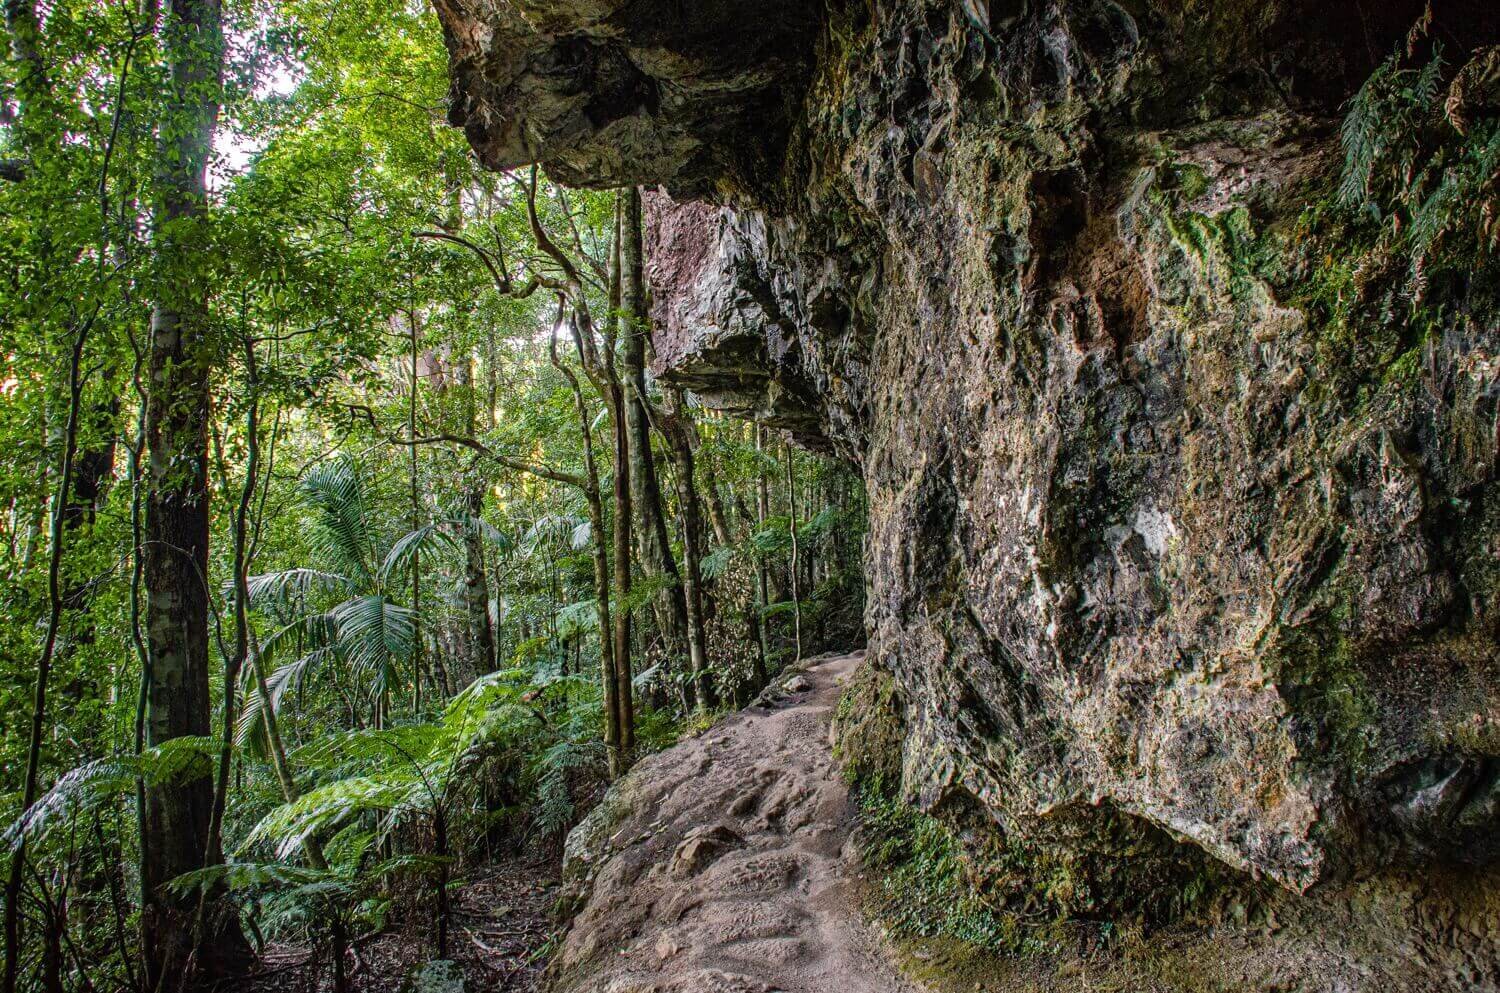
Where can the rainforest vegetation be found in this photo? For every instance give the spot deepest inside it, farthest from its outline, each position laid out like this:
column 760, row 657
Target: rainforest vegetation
column 349, row 544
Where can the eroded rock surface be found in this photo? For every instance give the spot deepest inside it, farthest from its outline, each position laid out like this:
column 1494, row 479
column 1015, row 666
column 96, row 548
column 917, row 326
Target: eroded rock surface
column 612, row 91
column 1184, row 513
column 720, row 865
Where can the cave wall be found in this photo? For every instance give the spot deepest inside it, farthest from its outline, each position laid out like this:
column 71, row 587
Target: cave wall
column 1182, row 485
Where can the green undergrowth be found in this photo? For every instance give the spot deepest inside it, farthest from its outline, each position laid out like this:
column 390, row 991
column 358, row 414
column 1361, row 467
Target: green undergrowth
column 924, row 888
column 924, row 885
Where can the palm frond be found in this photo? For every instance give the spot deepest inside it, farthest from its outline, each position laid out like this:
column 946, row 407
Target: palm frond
column 250, row 728
column 283, row 587
column 342, row 537
column 373, row 631
column 468, row 524
column 423, row 539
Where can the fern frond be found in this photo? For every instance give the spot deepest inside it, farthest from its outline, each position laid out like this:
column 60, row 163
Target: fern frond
column 717, row 562
column 93, row 784
column 578, row 618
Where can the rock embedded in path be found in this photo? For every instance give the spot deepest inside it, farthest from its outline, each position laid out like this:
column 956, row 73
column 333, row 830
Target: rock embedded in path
column 702, row 846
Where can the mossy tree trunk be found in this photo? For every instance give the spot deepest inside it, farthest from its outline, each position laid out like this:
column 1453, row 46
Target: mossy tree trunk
column 176, row 838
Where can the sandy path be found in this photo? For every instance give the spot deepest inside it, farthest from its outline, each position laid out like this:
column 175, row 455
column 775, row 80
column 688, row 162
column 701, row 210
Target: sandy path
column 721, row 865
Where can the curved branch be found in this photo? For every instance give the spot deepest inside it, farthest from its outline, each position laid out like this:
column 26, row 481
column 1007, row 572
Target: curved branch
column 498, row 273
column 510, row 462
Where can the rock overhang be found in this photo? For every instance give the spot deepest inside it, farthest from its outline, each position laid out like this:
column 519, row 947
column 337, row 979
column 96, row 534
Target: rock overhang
column 611, row 92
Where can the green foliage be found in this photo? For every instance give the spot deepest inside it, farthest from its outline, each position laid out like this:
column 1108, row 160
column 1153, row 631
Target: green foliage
column 1419, row 170
column 924, row 890
column 101, row 782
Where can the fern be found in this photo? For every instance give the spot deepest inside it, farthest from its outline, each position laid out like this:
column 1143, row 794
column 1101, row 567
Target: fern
column 94, row 784
column 1413, row 164
column 578, row 618
column 717, row 562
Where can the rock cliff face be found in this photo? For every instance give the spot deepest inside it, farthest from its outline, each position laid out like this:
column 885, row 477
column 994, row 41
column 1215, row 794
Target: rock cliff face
column 1185, row 527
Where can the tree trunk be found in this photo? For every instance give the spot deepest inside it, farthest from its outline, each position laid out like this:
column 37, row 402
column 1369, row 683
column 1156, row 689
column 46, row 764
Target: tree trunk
column 632, row 300
column 476, row 589
column 476, row 586
column 175, row 839
column 679, row 430
column 717, row 515
column 762, row 511
column 56, row 605
column 624, row 283
column 624, row 705
column 652, row 536
column 234, row 664
column 791, row 497
column 481, row 640
column 415, row 495
column 612, row 730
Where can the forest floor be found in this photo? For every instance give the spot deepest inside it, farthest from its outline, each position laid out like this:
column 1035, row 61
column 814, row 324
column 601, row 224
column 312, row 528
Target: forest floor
column 502, row 922
column 724, row 864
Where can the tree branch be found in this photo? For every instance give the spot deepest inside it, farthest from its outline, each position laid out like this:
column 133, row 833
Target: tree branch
column 498, row 273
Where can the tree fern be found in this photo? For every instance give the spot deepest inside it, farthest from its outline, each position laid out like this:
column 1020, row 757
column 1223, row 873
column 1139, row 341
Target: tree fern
column 717, row 562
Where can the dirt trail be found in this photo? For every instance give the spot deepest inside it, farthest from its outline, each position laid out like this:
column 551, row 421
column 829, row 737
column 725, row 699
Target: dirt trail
column 722, row 866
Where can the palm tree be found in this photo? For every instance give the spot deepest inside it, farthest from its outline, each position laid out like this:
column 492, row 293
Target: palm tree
column 344, row 610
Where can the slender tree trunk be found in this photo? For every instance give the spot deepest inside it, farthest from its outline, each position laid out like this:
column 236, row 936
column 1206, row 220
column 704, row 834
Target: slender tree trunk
column 279, row 763
column 476, row 587
column 717, row 515
column 177, row 815
column 762, row 511
column 481, row 640
column 791, row 497
column 652, row 537
column 31, row 124
column 633, row 302
column 624, row 691
column 233, row 665
column 679, row 430
column 93, row 470
column 440, row 838
column 415, row 494
column 56, row 605
column 599, row 542
column 625, row 279
column 754, row 622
